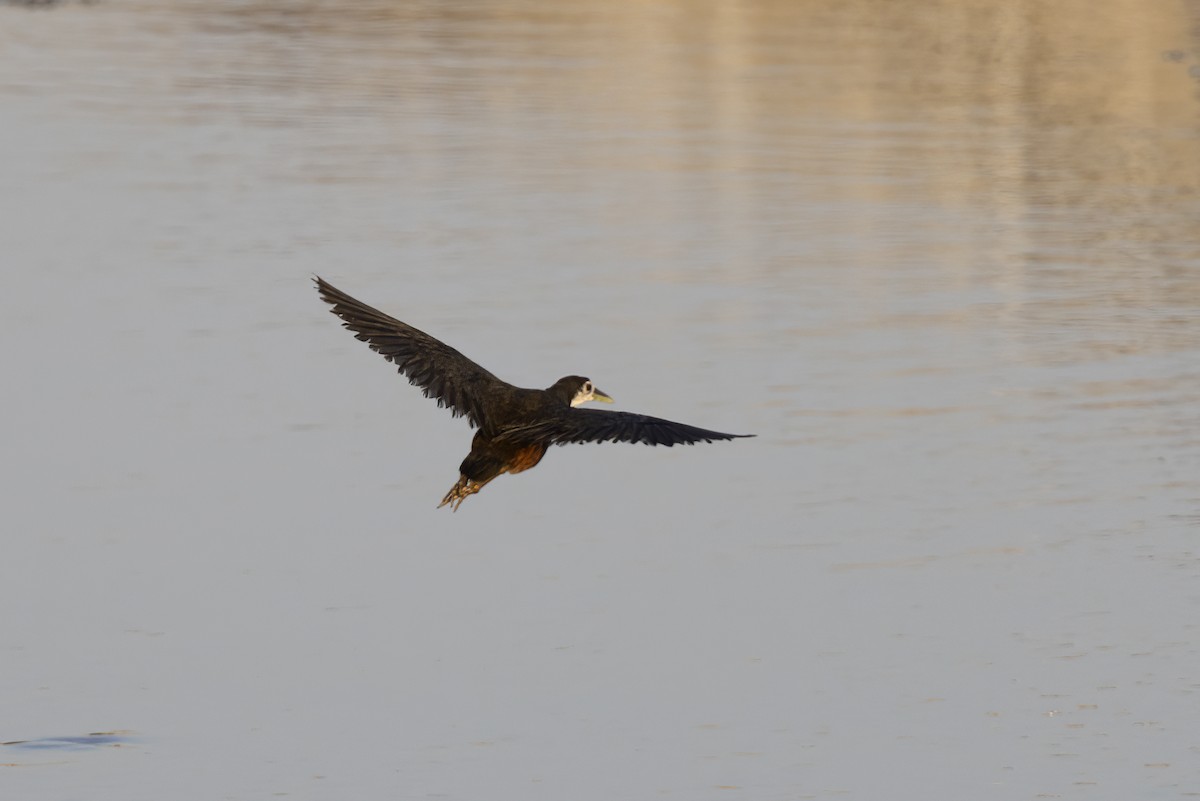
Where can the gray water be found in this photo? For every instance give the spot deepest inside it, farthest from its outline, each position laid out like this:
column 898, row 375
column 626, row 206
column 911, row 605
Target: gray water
column 943, row 260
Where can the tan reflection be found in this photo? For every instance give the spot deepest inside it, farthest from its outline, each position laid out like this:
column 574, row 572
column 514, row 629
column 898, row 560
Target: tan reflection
column 1059, row 133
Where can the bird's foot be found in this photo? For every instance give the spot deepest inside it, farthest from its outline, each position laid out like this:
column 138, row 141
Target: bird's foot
column 459, row 492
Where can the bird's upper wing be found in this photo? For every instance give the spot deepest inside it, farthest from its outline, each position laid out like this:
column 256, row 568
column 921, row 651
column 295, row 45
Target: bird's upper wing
column 439, row 370
column 596, row 425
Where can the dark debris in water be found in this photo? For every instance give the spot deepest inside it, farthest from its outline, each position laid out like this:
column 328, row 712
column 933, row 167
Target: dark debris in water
column 96, row 739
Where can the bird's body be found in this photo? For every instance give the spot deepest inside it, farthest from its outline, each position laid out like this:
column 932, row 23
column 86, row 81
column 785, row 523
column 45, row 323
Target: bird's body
column 515, row 426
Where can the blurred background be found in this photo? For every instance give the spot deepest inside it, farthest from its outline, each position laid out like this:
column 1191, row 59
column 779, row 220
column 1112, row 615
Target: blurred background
column 943, row 259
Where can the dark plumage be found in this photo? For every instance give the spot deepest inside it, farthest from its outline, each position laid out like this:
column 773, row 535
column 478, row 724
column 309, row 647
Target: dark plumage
column 515, row 425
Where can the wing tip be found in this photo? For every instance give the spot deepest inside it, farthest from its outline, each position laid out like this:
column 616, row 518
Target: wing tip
column 720, row 436
column 328, row 292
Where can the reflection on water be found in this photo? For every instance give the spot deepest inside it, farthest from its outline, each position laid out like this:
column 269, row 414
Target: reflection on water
column 943, row 259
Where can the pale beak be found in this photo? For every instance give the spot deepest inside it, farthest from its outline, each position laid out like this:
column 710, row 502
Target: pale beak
column 597, row 395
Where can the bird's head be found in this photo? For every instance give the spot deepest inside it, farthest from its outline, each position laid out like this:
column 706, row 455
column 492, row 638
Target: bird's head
column 577, row 390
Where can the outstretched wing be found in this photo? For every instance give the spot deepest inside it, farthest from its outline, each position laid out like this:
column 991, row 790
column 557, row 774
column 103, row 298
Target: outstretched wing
column 441, row 372
column 595, row 425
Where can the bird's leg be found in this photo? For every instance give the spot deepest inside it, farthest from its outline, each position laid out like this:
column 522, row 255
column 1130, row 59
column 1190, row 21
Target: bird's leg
column 461, row 489
column 456, row 494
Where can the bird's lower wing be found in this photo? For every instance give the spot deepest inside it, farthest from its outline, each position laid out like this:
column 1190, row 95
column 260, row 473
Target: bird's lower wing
column 457, row 383
column 595, row 425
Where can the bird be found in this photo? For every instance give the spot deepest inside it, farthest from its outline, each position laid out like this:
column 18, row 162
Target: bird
column 514, row 426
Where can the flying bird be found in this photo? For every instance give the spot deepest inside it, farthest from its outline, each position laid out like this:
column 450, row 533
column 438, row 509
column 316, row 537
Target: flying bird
column 514, row 426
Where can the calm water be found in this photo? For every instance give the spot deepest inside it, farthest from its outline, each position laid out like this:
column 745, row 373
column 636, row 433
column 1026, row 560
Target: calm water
column 944, row 260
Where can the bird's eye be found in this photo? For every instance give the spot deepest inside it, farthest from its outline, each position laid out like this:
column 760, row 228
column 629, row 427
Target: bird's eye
column 587, row 386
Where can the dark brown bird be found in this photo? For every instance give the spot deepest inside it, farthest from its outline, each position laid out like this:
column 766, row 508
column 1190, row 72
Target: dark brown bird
column 515, row 425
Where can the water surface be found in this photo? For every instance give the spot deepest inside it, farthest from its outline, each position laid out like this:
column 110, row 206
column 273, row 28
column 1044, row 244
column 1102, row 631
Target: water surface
column 943, row 260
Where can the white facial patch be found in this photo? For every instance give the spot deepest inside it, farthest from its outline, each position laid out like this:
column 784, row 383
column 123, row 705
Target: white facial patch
column 585, row 394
